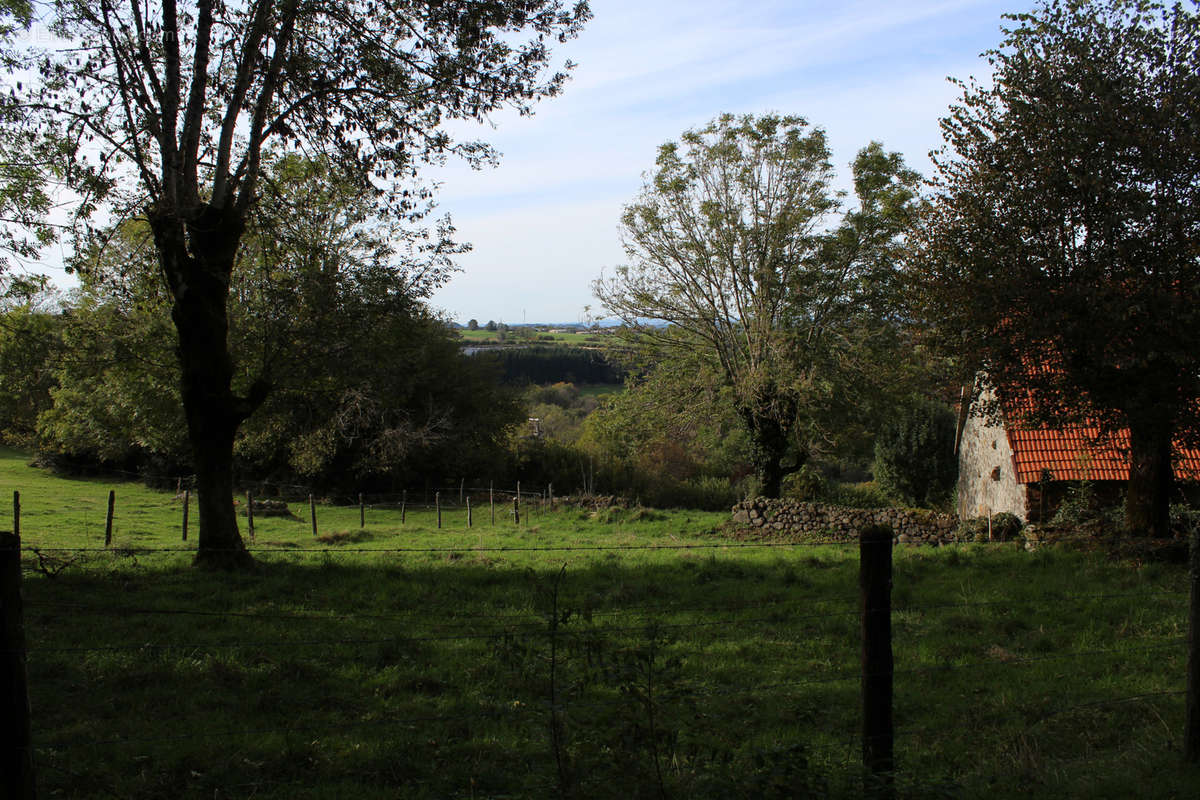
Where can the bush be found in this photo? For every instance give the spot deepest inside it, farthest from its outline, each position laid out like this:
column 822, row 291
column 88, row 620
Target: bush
column 914, row 454
column 1084, row 506
column 806, row 484
column 972, row 530
column 704, row 493
column 858, row 495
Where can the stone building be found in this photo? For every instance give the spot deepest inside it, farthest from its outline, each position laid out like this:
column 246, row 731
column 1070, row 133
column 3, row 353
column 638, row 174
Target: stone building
column 1004, row 466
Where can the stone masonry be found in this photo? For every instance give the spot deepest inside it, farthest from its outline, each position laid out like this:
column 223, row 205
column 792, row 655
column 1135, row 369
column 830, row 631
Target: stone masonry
column 792, row 518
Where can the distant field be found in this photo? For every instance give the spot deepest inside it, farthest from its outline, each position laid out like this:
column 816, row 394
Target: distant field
column 610, row 654
column 600, row 389
column 517, row 336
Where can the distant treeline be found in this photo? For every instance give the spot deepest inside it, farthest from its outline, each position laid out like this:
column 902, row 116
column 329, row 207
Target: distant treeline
column 552, row 364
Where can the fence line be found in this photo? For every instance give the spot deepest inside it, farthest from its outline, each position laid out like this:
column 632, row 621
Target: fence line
column 301, row 491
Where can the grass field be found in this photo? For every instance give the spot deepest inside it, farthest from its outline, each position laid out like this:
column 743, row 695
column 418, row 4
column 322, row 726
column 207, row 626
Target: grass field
column 612, row 654
column 520, row 336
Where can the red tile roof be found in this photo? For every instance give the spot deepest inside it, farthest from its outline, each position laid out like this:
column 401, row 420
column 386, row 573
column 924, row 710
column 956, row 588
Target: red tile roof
column 1073, row 453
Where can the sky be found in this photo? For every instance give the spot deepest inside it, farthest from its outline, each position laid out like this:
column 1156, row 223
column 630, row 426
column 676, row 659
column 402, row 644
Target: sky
column 544, row 223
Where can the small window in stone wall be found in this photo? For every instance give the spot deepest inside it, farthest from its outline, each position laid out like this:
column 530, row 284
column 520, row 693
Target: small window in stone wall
column 995, row 473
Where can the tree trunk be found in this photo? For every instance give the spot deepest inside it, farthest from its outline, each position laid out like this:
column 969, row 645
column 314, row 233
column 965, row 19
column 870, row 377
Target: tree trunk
column 1151, row 478
column 198, row 269
column 768, row 448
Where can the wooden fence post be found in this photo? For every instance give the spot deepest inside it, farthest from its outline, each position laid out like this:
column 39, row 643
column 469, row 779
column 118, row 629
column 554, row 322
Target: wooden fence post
column 875, row 583
column 112, row 501
column 437, row 502
column 187, row 497
column 312, row 512
column 550, row 491
column 492, row 500
column 1191, row 726
column 17, row 514
column 461, row 483
column 362, row 512
column 468, row 511
column 250, row 514
column 516, row 510
column 404, row 506
column 16, row 741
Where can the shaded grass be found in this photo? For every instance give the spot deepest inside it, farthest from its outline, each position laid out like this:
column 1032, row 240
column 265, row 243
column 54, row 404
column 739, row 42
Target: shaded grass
column 407, row 661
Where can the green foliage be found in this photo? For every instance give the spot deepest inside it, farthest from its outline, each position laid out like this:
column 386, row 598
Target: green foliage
column 541, row 364
column 116, row 396
column 806, row 484
column 29, row 346
column 670, row 439
column 1006, row 526
column 27, row 160
column 1082, row 505
column 731, row 262
column 914, row 453
column 859, row 495
column 180, row 117
column 365, row 383
column 1084, row 147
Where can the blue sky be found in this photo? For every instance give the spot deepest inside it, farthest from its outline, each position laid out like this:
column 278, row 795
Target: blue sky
column 544, row 223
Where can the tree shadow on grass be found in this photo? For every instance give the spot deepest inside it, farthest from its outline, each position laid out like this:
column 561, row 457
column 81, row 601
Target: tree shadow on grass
column 701, row 674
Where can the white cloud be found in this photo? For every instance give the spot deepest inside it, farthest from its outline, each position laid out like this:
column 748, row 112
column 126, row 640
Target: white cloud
column 544, row 223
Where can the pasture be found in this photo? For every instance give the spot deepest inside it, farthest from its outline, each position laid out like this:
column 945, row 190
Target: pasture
column 591, row 654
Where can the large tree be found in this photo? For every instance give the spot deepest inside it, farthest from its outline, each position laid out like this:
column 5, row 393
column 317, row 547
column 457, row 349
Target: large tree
column 736, row 254
column 168, row 107
column 368, row 385
column 1062, row 251
column 25, row 158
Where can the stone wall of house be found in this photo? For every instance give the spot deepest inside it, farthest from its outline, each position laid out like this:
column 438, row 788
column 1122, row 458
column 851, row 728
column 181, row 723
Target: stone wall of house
column 986, row 481
column 792, row 518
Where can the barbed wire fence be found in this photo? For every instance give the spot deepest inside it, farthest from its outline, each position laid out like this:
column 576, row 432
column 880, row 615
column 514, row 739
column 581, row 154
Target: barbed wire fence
column 517, row 634
column 266, row 497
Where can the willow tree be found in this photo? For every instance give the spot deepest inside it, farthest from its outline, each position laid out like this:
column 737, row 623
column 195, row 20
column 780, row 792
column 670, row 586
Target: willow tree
column 171, row 106
column 1062, row 250
column 737, row 254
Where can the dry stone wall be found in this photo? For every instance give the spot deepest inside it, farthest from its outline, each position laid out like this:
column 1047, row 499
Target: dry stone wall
column 794, row 519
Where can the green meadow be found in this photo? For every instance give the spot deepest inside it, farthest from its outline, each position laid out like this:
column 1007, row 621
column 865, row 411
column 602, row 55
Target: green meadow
column 589, row 654
column 528, row 336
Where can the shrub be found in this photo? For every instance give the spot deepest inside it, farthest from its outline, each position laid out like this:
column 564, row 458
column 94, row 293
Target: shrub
column 806, row 484
column 704, row 493
column 858, row 495
column 972, row 530
column 1083, row 505
column 914, row 453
